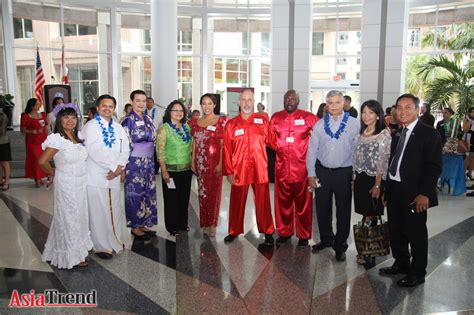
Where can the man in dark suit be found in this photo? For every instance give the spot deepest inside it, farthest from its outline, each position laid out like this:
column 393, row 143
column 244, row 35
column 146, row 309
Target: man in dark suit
column 414, row 168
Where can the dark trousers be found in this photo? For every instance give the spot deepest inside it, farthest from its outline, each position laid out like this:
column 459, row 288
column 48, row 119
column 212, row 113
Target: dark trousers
column 335, row 182
column 176, row 201
column 407, row 228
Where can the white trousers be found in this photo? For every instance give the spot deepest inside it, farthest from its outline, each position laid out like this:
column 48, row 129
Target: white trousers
column 105, row 219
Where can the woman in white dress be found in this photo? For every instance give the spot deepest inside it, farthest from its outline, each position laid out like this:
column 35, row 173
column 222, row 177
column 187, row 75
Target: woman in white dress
column 69, row 238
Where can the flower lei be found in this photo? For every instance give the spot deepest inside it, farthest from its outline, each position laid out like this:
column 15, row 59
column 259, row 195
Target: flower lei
column 62, row 106
column 186, row 136
column 339, row 131
column 107, row 134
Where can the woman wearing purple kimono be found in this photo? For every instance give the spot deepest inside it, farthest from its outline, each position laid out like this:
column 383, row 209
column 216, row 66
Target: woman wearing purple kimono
column 140, row 187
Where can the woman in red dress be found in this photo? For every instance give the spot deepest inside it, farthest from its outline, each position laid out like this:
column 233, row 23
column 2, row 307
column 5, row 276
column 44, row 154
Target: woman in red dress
column 33, row 126
column 208, row 135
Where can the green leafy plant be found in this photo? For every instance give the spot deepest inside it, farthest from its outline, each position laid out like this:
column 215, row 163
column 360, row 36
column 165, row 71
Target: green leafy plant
column 452, row 87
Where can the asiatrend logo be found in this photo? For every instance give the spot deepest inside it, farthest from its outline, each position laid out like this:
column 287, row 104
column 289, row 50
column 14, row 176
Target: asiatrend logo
column 52, row 298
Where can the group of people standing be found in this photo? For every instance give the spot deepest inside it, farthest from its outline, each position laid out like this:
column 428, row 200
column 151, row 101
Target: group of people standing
column 332, row 157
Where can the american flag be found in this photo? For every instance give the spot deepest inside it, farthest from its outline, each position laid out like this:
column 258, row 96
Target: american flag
column 39, row 79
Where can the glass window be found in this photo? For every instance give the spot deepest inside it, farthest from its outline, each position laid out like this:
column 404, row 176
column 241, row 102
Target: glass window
column 146, row 40
column 79, row 30
column 185, row 41
column 343, row 38
column 241, row 50
column 432, row 33
column 87, row 30
column 135, row 40
column 185, row 78
column 265, row 44
column 335, row 63
column 318, row 43
column 414, row 37
column 342, row 61
column 265, row 73
column 22, row 28
column 70, row 29
column 84, row 82
column 218, row 70
column 18, row 28
column 28, row 28
column 25, row 84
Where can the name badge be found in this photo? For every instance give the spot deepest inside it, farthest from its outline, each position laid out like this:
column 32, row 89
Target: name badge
column 238, row 132
column 140, row 123
column 42, row 122
column 290, row 139
column 258, row 121
column 299, row 122
column 211, row 128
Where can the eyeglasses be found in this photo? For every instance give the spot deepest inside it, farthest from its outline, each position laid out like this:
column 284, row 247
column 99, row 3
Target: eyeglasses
column 177, row 110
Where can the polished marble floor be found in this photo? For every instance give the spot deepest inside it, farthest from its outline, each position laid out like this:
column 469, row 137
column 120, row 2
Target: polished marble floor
column 195, row 274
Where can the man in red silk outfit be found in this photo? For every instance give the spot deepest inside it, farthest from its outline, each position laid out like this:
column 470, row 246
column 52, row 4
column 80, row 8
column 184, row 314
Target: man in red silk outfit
column 245, row 163
column 292, row 129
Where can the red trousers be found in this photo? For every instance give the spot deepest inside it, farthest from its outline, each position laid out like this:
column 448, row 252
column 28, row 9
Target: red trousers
column 293, row 204
column 238, row 198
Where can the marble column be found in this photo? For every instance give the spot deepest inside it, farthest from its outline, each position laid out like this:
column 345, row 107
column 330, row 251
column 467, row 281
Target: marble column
column 384, row 25
column 291, row 51
column 164, row 62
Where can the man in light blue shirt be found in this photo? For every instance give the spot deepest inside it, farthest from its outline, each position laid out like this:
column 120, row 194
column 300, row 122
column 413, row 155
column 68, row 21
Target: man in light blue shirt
column 329, row 165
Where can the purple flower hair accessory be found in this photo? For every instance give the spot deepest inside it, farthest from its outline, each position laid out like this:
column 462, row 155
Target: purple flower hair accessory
column 62, row 106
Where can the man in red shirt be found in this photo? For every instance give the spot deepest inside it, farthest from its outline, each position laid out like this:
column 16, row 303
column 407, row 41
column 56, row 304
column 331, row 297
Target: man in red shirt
column 292, row 129
column 245, row 163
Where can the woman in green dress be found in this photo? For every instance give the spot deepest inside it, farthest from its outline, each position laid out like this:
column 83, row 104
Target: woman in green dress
column 174, row 145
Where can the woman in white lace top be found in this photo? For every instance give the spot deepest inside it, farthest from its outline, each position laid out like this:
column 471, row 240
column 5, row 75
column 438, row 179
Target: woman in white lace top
column 370, row 161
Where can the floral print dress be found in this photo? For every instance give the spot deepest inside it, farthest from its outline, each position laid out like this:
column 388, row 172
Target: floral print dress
column 208, row 147
column 140, row 184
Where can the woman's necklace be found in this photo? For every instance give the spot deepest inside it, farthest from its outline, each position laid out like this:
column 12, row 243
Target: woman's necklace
column 339, row 131
column 184, row 135
column 108, row 135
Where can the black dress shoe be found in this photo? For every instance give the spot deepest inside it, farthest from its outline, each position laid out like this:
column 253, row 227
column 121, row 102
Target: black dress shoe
column 269, row 240
column 282, row 239
column 303, row 242
column 320, row 246
column 470, row 187
column 394, row 270
column 229, row 238
column 340, row 256
column 411, row 281
column 103, row 255
column 174, row 233
column 471, row 194
column 143, row 237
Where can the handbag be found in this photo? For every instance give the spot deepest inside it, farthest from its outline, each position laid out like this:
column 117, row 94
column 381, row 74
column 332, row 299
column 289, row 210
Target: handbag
column 372, row 241
column 454, row 145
